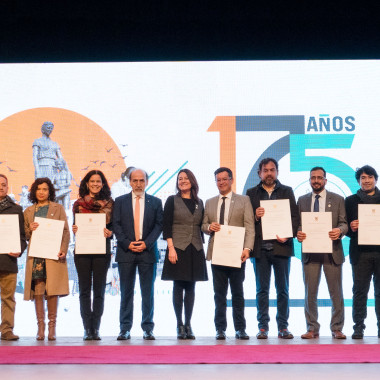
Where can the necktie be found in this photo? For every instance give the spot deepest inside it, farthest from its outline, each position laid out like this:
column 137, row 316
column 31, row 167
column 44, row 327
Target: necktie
column 316, row 203
column 222, row 209
column 137, row 219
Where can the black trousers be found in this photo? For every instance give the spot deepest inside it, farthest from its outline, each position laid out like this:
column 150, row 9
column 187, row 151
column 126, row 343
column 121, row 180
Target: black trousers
column 367, row 267
column 92, row 273
column 222, row 276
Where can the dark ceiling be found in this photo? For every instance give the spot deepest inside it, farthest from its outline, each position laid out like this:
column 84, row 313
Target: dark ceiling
column 64, row 31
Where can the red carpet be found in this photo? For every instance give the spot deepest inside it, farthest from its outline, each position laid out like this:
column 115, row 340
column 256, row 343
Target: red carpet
column 217, row 354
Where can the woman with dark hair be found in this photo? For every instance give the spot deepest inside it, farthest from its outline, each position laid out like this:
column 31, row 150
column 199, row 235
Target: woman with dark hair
column 94, row 197
column 185, row 259
column 46, row 278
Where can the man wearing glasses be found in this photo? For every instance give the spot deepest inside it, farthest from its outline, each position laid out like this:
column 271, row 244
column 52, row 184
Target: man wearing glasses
column 233, row 210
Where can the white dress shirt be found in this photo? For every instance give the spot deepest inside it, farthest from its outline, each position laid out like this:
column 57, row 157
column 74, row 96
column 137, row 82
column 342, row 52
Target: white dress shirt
column 322, row 201
column 226, row 207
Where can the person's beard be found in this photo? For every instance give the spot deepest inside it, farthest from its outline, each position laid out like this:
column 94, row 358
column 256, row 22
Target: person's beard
column 319, row 189
column 269, row 181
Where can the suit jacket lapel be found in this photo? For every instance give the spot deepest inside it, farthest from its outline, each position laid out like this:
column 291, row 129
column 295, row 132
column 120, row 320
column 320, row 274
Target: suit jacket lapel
column 328, row 202
column 214, row 208
column 146, row 212
column 232, row 204
column 51, row 211
column 308, row 202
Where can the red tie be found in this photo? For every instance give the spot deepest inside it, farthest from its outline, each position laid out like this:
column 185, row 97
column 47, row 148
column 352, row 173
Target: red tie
column 137, row 218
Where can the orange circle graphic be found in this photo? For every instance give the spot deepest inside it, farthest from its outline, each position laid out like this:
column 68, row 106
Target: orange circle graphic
column 84, row 145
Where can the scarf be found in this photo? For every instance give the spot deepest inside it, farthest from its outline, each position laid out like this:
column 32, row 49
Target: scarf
column 90, row 205
column 5, row 203
column 368, row 199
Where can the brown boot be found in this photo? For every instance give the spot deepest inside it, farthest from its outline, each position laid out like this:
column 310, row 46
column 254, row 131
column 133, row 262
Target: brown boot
column 40, row 313
column 52, row 304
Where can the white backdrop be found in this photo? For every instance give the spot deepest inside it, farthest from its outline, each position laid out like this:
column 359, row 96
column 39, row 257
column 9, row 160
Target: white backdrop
column 163, row 111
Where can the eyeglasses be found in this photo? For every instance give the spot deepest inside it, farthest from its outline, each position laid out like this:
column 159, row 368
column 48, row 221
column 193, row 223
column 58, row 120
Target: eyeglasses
column 221, row 180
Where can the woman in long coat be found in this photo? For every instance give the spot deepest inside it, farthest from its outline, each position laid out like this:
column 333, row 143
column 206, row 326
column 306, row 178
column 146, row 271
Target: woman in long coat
column 46, row 278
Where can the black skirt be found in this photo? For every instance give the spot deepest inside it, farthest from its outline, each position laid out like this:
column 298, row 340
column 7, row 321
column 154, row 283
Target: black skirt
column 191, row 266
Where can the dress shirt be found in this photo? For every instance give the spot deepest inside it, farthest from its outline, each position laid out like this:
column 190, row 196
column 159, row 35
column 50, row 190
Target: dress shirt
column 322, row 201
column 142, row 207
column 227, row 206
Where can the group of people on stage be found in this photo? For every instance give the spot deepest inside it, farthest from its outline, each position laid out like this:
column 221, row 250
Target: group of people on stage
column 137, row 219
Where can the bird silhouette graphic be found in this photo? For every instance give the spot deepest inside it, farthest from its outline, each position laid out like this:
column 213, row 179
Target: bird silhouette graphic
column 109, row 150
column 11, row 170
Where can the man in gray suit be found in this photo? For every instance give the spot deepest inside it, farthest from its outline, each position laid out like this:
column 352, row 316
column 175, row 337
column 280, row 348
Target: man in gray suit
column 233, row 210
column 318, row 201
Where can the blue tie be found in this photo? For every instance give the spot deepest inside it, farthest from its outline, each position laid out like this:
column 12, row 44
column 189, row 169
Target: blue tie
column 316, row 203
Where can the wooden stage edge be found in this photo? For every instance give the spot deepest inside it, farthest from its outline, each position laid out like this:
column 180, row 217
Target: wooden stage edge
column 172, row 341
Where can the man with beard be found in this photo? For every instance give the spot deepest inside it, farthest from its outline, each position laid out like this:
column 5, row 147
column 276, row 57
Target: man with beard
column 272, row 253
column 321, row 200
column 365, row 259
column 137, row 223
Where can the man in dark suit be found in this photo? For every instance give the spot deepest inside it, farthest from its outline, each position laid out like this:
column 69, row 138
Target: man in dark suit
column 233, row 210
column 268, row 253
column 321, row 200
column 137, row 223
column 365, row 259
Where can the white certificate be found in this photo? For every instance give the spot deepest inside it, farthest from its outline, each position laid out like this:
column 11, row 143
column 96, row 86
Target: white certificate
column 369, row 224
column 228, row 246
column 47, row 238
column 277, row 220
column 90, row 236
column 316, row 226
column 9, row 234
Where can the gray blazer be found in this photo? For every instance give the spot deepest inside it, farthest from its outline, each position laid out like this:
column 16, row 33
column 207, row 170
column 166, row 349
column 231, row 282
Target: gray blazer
column 334, row 204
column 240, row 215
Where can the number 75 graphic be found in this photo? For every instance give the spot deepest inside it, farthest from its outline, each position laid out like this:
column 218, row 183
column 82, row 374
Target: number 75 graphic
column 295, row 144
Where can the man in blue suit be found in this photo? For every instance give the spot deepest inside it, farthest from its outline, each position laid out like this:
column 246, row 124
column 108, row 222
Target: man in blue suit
column 137, row 223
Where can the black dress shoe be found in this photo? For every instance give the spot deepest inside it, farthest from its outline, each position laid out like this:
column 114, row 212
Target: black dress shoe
column 262, row 334
column 220, row 335
column 87, row 334
column 95, row 335
column 189, row 332
column 148, row 335
column 285, row 334
column 358, row 334
column 124, row 335
column 241, row 334
column 181, row 332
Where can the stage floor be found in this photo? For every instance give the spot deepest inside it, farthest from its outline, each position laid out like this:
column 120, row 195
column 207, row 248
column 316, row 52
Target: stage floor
column 189, row 371
column 172, row 341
